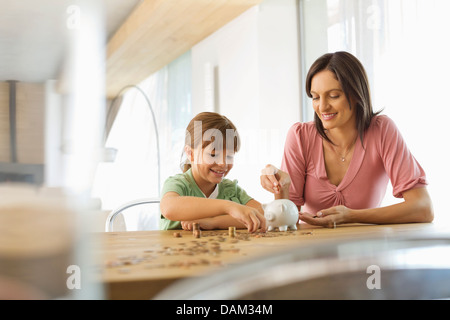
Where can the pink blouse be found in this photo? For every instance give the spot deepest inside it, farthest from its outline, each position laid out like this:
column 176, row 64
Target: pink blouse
column 384, row 156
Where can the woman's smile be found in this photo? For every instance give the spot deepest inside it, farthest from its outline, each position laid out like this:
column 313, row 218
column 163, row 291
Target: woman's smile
column 328, row 116
column 330, row 103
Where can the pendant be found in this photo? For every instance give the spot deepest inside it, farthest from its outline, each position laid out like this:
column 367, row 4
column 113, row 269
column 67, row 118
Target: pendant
column 342, row 159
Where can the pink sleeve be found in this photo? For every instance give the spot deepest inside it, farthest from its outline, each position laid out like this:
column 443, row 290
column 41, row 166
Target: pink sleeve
column 402, row 168
column 293, row 162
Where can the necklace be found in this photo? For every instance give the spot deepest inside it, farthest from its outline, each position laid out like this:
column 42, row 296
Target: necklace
column 343, row 157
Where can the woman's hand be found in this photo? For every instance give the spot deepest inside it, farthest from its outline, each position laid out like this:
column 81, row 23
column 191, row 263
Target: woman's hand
column 328, row 218
column 417, row 207
column 274, row 180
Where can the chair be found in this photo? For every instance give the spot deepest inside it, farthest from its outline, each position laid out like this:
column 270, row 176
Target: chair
column 143, row 219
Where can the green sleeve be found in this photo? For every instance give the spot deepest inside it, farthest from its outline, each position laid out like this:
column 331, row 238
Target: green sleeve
column 232, row 191
column 242, row 195
column 172, row 184
column 166, row 224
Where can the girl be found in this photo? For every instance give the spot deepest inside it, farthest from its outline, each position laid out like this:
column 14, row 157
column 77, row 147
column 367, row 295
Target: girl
column 201, row 193
column 337, row 167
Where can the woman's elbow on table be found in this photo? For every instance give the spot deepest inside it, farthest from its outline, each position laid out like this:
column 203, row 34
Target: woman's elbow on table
column 427, row 211
column 422, row 204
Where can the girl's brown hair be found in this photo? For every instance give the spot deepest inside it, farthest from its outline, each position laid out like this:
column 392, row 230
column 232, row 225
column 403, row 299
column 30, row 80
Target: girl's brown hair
column 350, row 73
column 204, row 129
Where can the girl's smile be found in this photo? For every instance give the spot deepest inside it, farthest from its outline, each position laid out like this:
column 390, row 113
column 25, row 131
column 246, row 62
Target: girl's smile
column 218, row 173
column 210, row 166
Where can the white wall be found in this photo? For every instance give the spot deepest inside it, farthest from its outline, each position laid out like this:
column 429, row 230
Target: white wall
column 249, row 71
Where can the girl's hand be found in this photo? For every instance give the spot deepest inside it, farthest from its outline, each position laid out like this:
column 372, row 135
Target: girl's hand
column 204, row 224
column 328, row 218
column 249, row 216
column 274, row 180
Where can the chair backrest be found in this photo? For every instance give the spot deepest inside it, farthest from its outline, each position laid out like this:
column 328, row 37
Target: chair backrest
column 139, row 214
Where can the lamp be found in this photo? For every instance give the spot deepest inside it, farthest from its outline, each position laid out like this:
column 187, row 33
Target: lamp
column 154, row 123
column 113, row 214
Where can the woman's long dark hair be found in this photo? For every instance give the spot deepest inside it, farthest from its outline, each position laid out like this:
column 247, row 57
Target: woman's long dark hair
column 350, row 73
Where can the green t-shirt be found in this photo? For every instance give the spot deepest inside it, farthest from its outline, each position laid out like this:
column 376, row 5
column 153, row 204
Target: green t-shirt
column 184, row 184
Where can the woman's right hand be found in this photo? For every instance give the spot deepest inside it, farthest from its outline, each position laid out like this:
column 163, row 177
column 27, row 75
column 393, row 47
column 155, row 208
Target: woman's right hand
column 249, row 216
column 274, row 180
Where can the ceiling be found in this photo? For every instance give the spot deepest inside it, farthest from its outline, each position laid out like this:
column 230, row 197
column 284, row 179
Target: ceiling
column 142, row 36
column 159, row 31
column 33, row 35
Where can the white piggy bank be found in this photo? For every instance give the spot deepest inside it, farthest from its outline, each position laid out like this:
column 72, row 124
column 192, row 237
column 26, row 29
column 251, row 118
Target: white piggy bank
column 281, row 213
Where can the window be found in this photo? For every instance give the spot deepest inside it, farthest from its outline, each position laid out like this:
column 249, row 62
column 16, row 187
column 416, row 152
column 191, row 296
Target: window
column 404, row 47
column 134, row 171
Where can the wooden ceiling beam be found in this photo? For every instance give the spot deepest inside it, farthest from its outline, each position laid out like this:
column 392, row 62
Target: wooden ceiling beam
column 159, row 31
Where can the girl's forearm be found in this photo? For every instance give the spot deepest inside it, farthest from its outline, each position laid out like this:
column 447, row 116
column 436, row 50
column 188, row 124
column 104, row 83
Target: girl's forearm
column 192, row 208
column 225, row 221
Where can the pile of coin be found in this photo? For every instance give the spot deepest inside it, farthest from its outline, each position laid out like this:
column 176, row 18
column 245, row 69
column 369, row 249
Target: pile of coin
column 232, row 232
column 196, row 230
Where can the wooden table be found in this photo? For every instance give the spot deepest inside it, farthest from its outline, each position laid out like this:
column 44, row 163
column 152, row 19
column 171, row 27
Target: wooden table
column 138, row 265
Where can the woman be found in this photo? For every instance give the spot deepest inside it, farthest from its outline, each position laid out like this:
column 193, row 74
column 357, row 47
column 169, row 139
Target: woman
column 338, row 166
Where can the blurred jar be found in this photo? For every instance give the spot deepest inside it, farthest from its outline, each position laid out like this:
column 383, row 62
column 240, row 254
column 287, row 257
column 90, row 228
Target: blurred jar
column 37, row 243
column 46, row 248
